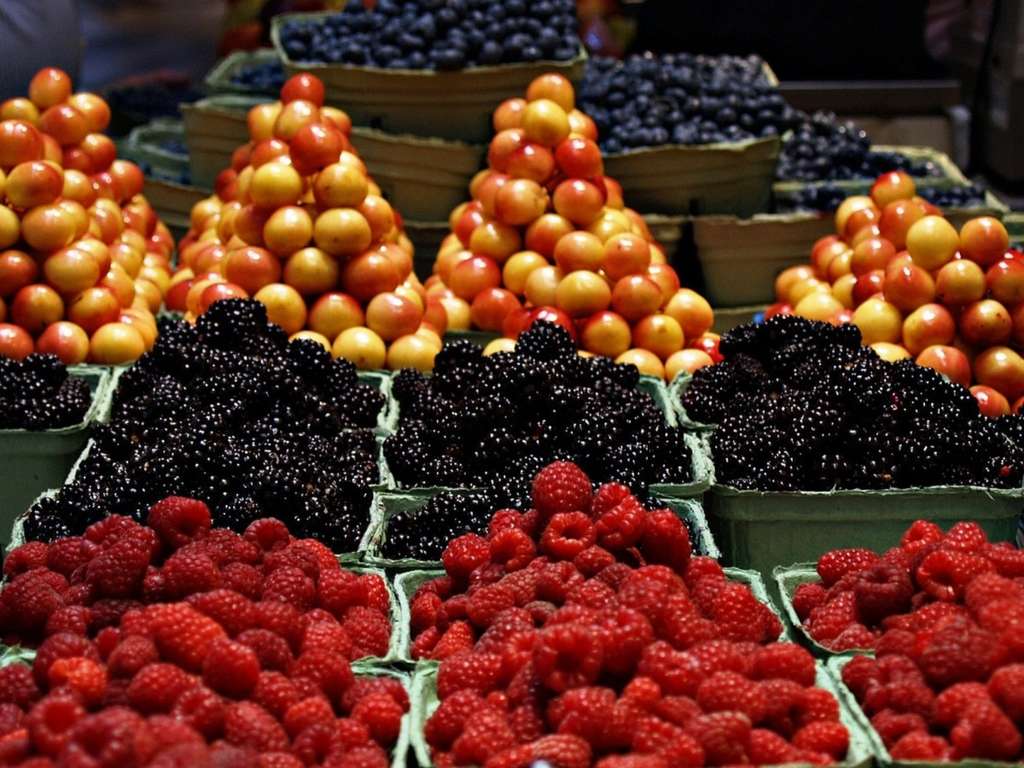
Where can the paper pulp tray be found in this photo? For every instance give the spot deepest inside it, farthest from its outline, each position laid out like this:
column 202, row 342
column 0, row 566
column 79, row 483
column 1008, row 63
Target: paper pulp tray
column 848, row 703
column 731, row 178
column 950, row 174
column 761, row 530
column 214, row 128
column 740, row 258
column 787, row 579
column 407, row 584
column 450, row 105
column 424, row 178
column 35, row 461
column 219, row 79
column 400, row 757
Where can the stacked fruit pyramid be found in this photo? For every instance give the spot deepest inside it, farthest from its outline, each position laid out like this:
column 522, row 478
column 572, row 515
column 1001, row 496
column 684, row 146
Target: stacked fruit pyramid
column 916, row 287
column 297, row 224
column 547, row 235
column 84, row 260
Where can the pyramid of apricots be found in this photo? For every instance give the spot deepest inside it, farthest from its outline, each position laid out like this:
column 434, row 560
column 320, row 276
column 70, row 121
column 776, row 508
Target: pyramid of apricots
column 547, row 236
column 84, row 260
column 297, row 224
column 916, row 287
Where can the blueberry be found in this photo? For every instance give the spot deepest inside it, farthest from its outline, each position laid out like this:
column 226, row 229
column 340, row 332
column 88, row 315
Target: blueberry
column 448, row 59
column 491, row 53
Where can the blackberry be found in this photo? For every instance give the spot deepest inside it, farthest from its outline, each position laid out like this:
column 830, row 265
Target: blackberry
column 546, row 341
column 37, row 394
column 45, row 523
column 231, row 323
column 423, row 533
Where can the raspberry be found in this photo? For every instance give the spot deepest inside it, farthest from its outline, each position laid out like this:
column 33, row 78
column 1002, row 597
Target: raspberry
column 926, row 617
column 225, row 547
column 722, row 656
column 290, row 585
column 654, row 736
column 110, row 737
column 859, row 672
column 1006, row 686
column 593, row 560
column 28, row 602
column 361, row 757
column 985, row 732
column 328, row 636
column 827, row 737
column 945, row 573
column 424, row 611
column 740, row 616
column 50, row 722
column 768, row 748
column 893, row 726
column 627, row 633
column 487, row 602
column 855, row 636
column 567, row 534
column 84, row 677
column 243, row 579
column 621, row 525
column 182, row 634
column 966, row 537
column 724, row 736
column 666, row 540
column 364, row 686
column 784, row 698
column 249, row 725
column 989, row 587
column 449, row 718
column 275, row 693
column 74, row 619
column 156, row 687
column 568, row 656
column 557, row 580
column 26, row 557
column 562, row 751
column 17, row 685
column 377, row 595
column 314, row 744
column 882, row 590
column 832, row 566
column 65, row 556
column 634, row 761
column 919, row 534
column 268, row 533
column 807, row 597
column 202, row 709
column 315, row 710
column 1007, row 560
column 231, row 668
column 678, row 673
column 381, row 715
column 829, row 620
column 62, row 646
column 728, row 691
column 919, row 745
column 119, row 569
column 370, row 631
column 816, row 705
column 585, row 712
column 464, row 555
column 280, row 618
column 512, row 548
column 784, row 660
column 561, row 487
column 332, row 674
column 958, row 652
column 477, row 672
column 458, row 637
column 271, row 650
column 231, row 610
column 178, row 520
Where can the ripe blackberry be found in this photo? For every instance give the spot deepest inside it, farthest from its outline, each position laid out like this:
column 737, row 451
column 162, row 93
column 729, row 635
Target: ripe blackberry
column 546, row 341
column 231, row 323
column 36, row 394
column 423, row 533
column 44, row 522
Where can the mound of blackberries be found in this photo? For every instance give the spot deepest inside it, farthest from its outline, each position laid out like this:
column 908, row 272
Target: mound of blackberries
column 437, row 34
column 801, row 405
column 493, row 422
column 424, row 533
column 228, row 411
column 36, row 393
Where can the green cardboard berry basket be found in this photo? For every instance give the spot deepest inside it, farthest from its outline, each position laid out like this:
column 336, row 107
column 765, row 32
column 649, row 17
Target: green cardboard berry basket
column 787, row 579
column 451, row 105
column 35, row 461
column 676, row 389
column 219, row 80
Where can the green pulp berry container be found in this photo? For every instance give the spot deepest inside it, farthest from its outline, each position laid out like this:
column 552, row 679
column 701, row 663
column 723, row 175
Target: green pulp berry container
column 786, row 580
column 35, row 461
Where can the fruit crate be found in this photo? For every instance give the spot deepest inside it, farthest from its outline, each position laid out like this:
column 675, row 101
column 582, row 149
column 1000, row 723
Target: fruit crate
column 949, row 174
column 214, row 128
column 35, row 461
column 424, row 178
column 861, row 753
column 727, row 318
column 786, row 580
column 219, row 80
column 407, row 584
column 426, row 237
column 449, row 105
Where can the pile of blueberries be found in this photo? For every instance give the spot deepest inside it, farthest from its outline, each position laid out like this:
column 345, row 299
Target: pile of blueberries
column 827, row 197
column 437, row 34
column 263, row 76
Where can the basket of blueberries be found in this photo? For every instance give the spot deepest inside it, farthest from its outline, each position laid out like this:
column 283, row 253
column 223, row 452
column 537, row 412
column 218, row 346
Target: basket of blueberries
column 433, row 67
column 254, row 73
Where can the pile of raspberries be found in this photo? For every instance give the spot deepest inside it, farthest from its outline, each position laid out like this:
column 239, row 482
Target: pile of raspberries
column 177, row 644
column 944, row 614
column 583, row 633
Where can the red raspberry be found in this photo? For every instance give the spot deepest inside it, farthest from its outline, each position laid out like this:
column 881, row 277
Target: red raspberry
column 593, row 560
column 182, row 634
column 830, row 738
column 370, row 631
column 227, row 547
column 1008, row 560
column 282, row 619
column 855, row 636
column 832, row 566
column 989, row 587
column 313, row 745
column 330, row 673
column 231, row 610
column 728, row 691
column 512, row 548
column 945, row 573
column 503, row 519
column 316, row 710
column 557, row 580
column 377, row 595
column 464, row 555
column 328, row 636
column 919, row 745
column 627, row 633
column 678, row 673
column 722, row 656
column 250, row 725
column 364, row 686
column 86, row 678
column 562, row 751
column 1006, row 687
column 829, row 620
column 724, row 736
column 567, row 534
column 178, row 520
column 65, row 556
column 860, row 672
column 882, row 590
column 275, row 693
column 62, row 646
column 958, row 652
column 28, row 602
column 893, row 726
column 26, row 557
column 568, row 656
column 291, row 556
column 666, row 541
column 271, row 650
column 231, row 668
column 119, row 569
column 784, row 698
column 622, row 524
column 561, row 487
column 360, row 757
column 985, row 732
column 110, row 528
column 487, row 602
column 202, row 709
column 156, row 687
column 784, row 660
column 326, row 558
column 609, row 496
column 807, row 597
column 701, row 567
column 920, row 533
column 926, row 617
column 424, row 611
column 458, row 637
column 816, row 705
column 477, row 672
column 654, row 736
column 768, row 748
column 290, row 585
column 51, row 721
column 449, row 719
column 71, row 618
column 586, row 712
column 678, row 710
column 268, row 534
column 110, row 737
column 242, row 578
column 338, row 590
column 280, row 760
column 423, row 645
column 966, row 537
column 593, row 594
column 381, row 715
column 741, row 617
column 17, row 685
